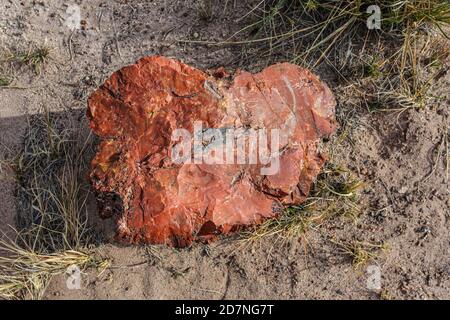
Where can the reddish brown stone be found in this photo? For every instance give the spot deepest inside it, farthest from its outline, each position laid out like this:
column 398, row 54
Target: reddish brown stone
column 135, row 112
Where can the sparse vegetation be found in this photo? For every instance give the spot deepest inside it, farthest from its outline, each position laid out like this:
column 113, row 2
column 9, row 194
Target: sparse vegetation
column 361, row 253
column 391, row 68
column 5, row 80
column 387, row 69
column 25, row 273
column 35, row 57
column 334, row 194
column 205, row 10
column 52, row 193
column 52, row 216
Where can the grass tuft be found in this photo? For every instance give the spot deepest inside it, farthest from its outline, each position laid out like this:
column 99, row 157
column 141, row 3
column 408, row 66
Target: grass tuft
column 5, row 80
column 361, row 253
column 35, row 57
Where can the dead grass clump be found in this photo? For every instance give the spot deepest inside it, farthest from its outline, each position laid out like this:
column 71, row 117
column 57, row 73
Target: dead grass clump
column 361, row 253
column 52, row 216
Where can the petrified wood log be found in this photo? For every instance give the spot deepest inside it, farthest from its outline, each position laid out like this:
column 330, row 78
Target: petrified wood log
column 159, row 199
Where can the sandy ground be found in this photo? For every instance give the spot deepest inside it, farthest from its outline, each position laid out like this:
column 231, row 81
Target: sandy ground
column 406, row 190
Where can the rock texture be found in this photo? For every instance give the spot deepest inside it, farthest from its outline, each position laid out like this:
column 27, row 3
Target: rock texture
column 158, row 201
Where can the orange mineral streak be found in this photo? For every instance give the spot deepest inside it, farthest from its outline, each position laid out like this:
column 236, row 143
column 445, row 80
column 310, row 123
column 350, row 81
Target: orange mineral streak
column 135, row 111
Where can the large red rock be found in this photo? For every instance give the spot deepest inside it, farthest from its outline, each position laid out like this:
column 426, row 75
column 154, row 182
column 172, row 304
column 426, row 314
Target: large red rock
column 158, row 200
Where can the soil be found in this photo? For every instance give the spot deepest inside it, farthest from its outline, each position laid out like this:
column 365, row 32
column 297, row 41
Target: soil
column 396, row 154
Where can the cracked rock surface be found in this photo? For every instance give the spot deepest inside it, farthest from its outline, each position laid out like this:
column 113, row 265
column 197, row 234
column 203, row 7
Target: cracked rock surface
column 161, row 201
